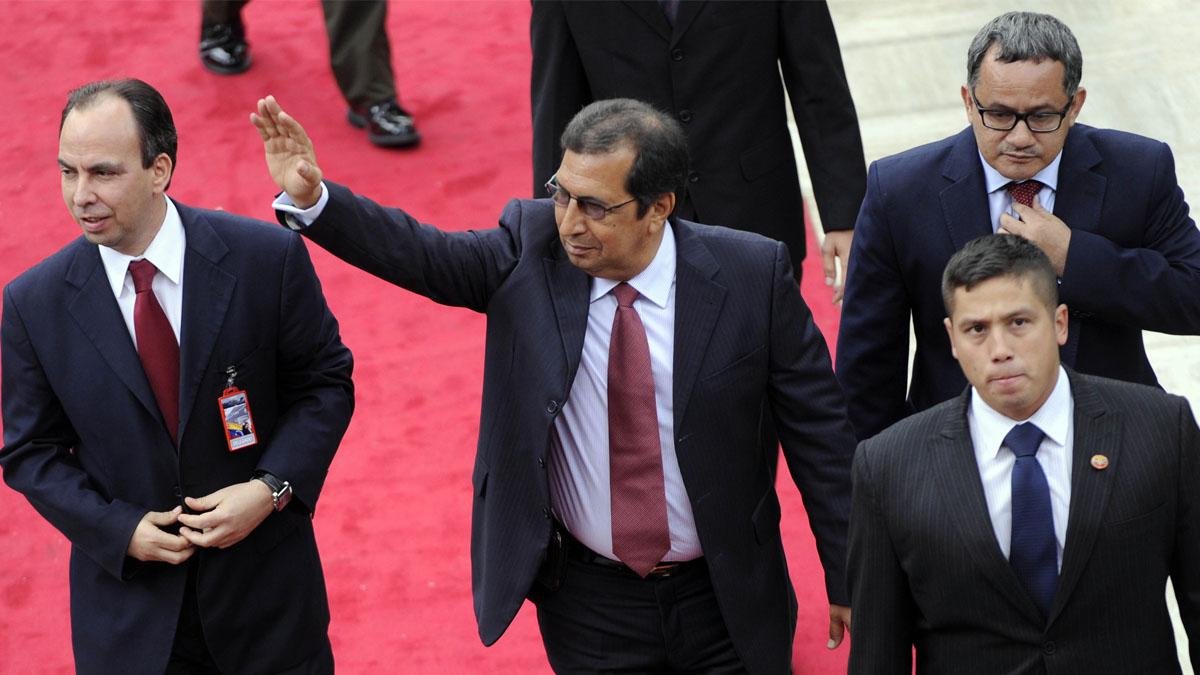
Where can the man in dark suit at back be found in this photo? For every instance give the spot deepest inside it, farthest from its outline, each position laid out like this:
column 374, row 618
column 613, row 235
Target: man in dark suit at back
column 1029, row 525
column 1104, row 205
column 623, row 481
column 174, row 389
column 715, row 65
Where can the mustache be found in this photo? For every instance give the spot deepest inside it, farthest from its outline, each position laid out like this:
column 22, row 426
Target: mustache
column 1009, row 149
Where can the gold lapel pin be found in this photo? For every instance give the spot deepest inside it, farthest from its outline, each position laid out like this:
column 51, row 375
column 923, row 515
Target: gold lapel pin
column 1099, row 462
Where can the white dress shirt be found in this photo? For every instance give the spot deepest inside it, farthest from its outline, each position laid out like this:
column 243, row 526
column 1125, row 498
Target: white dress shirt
column 579, row 469
column 1000, row 200
column 166, row 253
column 988, row 428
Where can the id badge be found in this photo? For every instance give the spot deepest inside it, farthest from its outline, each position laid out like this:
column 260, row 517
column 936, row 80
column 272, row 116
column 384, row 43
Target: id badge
column 235, row 414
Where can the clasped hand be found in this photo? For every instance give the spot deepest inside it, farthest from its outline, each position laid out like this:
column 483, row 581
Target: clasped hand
column 222, row 519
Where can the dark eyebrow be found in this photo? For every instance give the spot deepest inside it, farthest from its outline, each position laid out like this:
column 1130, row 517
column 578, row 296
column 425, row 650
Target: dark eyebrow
column 115, row 167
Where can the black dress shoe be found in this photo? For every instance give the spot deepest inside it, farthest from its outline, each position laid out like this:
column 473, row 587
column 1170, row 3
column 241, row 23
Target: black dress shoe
column 388, row 125
column 223, row 49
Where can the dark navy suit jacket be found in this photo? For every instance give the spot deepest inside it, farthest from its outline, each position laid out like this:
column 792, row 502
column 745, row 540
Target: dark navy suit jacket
column 744, row 343
column 1133, row 265
column 85, row 442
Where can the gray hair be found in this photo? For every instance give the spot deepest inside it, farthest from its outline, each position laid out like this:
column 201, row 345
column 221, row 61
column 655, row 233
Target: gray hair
column 1027, row 36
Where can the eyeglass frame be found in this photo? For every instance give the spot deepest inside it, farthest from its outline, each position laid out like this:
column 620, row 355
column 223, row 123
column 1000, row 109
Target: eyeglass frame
column 586, row 204
column 1022, row 117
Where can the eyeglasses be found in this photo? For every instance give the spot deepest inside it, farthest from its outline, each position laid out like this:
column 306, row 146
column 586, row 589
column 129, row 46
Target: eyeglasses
column 1006, row 120
column 590, row 208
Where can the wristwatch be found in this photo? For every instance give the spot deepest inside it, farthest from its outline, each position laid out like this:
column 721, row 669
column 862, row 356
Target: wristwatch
column 281, row 490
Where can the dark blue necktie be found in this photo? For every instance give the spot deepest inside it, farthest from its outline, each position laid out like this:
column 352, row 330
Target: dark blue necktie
column 1033, row 553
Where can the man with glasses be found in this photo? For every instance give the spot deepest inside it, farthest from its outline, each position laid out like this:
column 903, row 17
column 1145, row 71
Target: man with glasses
column 623, row 481
column 1103, row 205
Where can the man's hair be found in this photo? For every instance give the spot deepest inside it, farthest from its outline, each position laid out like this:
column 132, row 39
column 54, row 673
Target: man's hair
column 661, row 165
column 1027, row 36
column 1000, row 255
column 156, row 127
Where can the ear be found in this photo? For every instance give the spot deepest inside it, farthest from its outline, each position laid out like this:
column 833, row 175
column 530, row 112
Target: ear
column 1060, row 324
column 660, row 210
column 969, row 104
column 950, row 333
column 1076, row 105
column 162, row 169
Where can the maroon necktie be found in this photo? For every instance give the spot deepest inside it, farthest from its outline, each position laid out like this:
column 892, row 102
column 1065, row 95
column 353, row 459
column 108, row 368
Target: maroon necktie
column 156, row 344
column 1023, row 193
column 639, row 501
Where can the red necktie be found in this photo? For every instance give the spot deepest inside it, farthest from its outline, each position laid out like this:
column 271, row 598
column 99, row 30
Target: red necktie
column 1023, row 193
column 156, row 344
column 639, row 501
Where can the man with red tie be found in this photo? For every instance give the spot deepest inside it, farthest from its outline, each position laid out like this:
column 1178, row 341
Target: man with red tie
column 623, row 481
column 126, row 356
column 1104, row 205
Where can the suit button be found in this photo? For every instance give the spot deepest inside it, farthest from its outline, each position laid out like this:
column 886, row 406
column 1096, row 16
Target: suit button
column 1048, row 648
column 694, row 177
column 676, row 54
column 541, row 462
column 178, row 492
column 552, row 407
column 685, row 115
column 546, row 513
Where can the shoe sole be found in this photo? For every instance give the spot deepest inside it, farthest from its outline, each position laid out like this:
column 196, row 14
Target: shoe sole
column 223, row 70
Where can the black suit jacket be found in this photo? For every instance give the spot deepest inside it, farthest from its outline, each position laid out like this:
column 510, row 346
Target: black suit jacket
column 85, row 442
column 926, row 570
column 744, row 341
column 1133, row 265
column 717, row 70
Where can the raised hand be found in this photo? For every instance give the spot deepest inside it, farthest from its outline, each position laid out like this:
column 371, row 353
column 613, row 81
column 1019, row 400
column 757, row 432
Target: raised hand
column 291, row 158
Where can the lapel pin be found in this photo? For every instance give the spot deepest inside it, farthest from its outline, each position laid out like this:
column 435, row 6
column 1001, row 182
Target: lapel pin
column 1099, row 462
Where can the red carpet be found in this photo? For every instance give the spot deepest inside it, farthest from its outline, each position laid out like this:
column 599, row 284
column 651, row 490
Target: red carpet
column 393, row 523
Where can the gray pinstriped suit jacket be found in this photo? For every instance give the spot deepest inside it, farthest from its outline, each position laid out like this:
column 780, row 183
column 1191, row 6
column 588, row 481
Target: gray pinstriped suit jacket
column 925, row 569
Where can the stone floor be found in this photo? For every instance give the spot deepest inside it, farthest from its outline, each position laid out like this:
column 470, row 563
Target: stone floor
column 906, row 60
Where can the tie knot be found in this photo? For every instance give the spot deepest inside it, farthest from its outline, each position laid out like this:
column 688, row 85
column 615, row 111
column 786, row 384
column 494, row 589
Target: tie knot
column 1024, row 192
column 1024, row 439
column 143, row 274
column 625, row 294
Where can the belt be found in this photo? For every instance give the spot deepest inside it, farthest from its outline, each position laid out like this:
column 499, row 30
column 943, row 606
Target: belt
column 577, row 551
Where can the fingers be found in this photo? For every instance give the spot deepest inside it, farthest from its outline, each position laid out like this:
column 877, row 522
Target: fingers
column 163, row 518
column 839, row 621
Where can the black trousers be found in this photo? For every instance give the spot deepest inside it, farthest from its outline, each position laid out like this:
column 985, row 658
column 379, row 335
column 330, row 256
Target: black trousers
column 603, row 620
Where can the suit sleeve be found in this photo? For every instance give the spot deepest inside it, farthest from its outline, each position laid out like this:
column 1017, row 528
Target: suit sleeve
column 460, row 269
column 1185, row 568
column 1154, row 284
column 315, row 391
column 558, row 89
column 810, row 418
column 872, row 348
column 811, row 62
column 881, row 638
column 38, row 461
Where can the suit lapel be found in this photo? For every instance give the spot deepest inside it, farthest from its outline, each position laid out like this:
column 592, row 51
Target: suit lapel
column 956, row 473
column 683, row 18
column 1097, row 432
column 99, row 317
column 964, row 200
column 569, row 291
column 207, row 291
column 650, row 12
column 698, row 301
column 1077, row 203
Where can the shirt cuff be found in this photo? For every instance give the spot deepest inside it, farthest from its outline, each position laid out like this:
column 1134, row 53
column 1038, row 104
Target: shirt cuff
column 296, row 217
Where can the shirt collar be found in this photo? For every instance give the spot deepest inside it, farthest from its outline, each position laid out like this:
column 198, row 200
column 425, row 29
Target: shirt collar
column 1047, row 176
column 165, row 252
column 652, row 283
column 1053, row 418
